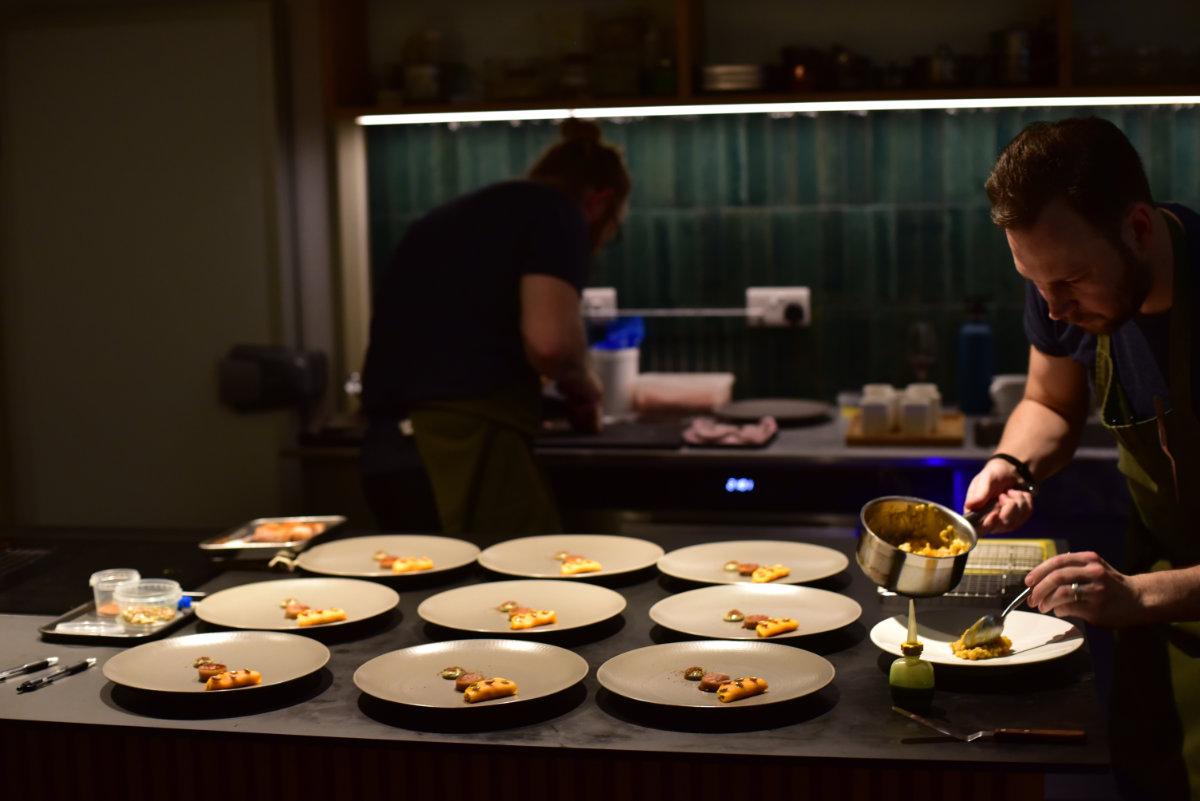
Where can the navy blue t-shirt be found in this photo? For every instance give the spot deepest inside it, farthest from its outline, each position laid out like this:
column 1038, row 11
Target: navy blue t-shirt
column 446, row 316
column 1140, row 347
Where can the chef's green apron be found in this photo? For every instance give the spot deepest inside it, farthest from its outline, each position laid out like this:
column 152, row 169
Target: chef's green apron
column 1155, row 708
column 479, row 457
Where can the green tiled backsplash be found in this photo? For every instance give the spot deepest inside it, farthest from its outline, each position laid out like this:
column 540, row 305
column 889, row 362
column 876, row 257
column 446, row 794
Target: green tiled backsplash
column 883, row 215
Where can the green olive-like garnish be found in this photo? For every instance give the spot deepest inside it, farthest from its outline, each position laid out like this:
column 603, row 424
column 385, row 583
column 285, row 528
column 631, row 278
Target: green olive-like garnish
column 731, row 567
column 694, row 673
column 451, row 673
column 734, row 616
column 508, row 606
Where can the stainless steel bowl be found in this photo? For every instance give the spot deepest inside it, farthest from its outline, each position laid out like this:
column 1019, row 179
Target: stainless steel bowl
column 899, row 571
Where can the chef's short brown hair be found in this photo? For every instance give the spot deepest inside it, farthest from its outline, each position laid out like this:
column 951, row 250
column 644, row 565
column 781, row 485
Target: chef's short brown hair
column 1085, row 161
column 580, row 161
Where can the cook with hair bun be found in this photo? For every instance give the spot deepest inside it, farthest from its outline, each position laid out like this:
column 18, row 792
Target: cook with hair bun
column 479, row 304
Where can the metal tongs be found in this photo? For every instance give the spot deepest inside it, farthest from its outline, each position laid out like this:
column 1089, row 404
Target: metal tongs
column 989, row 627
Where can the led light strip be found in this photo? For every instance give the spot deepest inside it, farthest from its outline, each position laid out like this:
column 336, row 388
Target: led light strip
column 811, row 107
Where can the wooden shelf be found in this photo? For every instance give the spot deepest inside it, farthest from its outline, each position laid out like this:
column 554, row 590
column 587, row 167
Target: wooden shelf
column 348, row 75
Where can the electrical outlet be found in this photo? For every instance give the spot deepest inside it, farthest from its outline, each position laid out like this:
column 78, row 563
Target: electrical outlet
column 599, row 303
column 779, row 306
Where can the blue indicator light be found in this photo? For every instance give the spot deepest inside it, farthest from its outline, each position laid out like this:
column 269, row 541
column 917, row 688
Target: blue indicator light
column 739, row 484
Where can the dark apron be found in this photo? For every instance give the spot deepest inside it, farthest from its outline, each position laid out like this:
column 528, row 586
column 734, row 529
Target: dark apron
column 479, row 457
column 1155, row 708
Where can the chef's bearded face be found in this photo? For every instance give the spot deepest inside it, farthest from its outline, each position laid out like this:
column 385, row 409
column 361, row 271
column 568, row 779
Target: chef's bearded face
column 1074, row 202
column 1090, row 280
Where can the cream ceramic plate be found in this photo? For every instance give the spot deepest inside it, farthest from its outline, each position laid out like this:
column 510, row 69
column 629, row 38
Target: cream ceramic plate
column 700, row 612
column 706, row 562
column 256, row 606
column 473, row 608
column 533, row 557
column 1035, row 637
column 166, row 665
column 354, row 557
column 410, row 676
column 654, row 674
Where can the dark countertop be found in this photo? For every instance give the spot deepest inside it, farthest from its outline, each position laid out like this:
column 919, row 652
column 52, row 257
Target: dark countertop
column 822, row 443
column 849, row 720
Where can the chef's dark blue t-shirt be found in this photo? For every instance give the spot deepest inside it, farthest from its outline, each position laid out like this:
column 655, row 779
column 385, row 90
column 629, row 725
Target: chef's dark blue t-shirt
column 446, row 313
column 1140, row 347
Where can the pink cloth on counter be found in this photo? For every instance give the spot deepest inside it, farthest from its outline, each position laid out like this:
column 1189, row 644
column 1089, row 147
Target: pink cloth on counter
column 707, row 431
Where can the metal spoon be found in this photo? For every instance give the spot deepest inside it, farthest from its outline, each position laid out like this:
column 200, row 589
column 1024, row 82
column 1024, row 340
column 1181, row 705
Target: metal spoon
column 989, row 627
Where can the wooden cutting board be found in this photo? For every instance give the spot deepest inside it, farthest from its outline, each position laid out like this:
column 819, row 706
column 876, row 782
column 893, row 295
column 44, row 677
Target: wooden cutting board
column 950, row 431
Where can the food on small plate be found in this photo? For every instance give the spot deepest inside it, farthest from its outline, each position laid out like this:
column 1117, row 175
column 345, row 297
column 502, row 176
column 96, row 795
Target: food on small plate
column 231, row 679
column 286, row 531
column 526, row 617
column 292, row 608
column 402, row 564
column 451, row 673
column 1001, row 646
column 527, row 620
column 746, row 568
column 751, row 622
column 738, row 689
column 711, row 682
column 488, row 689
column 775, row 625
column 764, row 574
column 694, row 673
column 734, row 616
column 208, row 668
column 466, row 680
column 573, row 564
column 319, row 617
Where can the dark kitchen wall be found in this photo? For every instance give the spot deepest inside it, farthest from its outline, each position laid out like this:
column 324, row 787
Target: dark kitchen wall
column 883, row 215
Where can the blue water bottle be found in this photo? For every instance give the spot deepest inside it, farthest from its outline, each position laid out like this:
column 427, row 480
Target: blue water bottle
column 976, row 360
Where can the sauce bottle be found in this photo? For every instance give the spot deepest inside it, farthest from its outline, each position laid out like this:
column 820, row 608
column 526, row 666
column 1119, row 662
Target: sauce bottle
column 910, row 677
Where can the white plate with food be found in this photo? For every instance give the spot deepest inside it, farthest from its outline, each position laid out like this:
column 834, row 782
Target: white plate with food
column 736, row 562
column 739, row 611
column 528, row 606
column 1035, row 637
column 658, row 674
column 388, row 556
column 186, row 664
column 570, row 556
column 443, row 675
column 299, row 604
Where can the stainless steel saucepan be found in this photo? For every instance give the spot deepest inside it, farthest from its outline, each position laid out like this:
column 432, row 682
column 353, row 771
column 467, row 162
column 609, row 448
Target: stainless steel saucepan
column 887, row 522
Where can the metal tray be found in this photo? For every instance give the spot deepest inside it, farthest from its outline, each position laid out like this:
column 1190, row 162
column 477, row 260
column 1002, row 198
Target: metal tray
column 236, row 539
column 84, row 625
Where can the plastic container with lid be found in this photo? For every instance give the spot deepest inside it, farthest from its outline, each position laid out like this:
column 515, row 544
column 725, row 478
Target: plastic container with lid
column 104, row 582
column 681, row 393
column 147, row 602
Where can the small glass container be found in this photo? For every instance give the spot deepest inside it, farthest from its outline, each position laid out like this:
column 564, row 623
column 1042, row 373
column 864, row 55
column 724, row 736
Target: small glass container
column 104, row 582
column 147, row 602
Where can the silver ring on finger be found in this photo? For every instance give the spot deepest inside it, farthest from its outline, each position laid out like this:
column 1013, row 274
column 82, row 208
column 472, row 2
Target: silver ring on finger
column 1076, row 592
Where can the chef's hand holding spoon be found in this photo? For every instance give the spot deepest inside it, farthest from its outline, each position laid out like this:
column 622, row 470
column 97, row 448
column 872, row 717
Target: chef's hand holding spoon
column 1083, row 585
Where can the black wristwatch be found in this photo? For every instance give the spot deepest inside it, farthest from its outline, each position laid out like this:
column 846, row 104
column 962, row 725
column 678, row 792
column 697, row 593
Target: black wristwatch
column 1022, row 470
